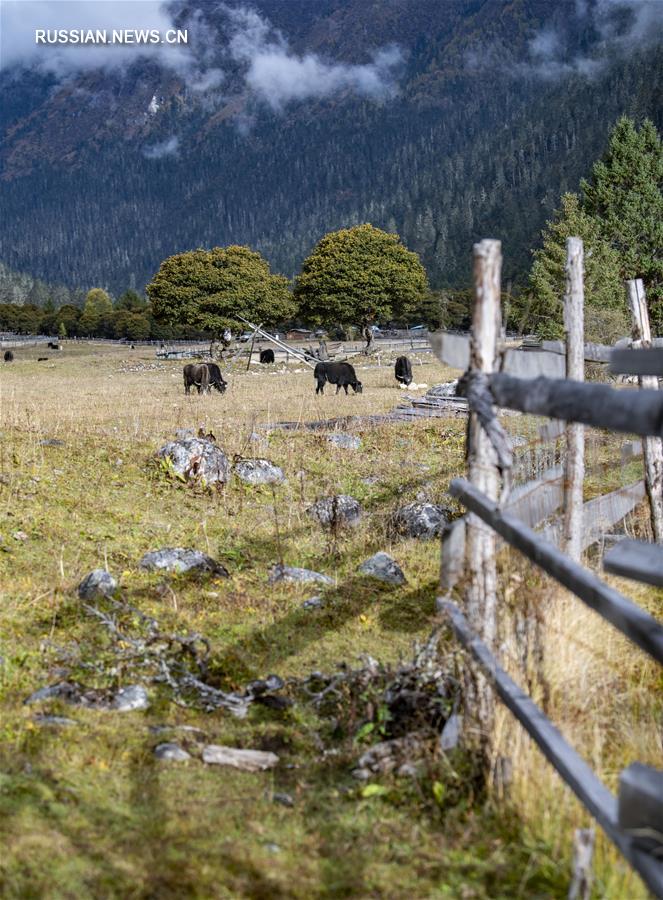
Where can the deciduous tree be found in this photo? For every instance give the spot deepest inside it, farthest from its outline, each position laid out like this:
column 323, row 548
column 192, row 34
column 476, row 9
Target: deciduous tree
column 207, row 290
column 359, row 276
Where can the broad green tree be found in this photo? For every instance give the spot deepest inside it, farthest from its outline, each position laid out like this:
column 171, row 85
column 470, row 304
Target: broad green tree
column 207, row 290
column 624, row 194
column 359, row 276
column 540, row 308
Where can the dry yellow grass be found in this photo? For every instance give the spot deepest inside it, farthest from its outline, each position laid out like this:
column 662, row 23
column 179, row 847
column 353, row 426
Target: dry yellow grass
column 91, row 795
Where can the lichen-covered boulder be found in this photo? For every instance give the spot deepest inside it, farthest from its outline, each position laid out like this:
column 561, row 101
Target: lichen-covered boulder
column 180, row 559
column 258, row 471
column 420, row 520
column 384, row 568
column 339, row 510
column 98, row 583
column 344, row 441
column 197, row 459
column 292, row 573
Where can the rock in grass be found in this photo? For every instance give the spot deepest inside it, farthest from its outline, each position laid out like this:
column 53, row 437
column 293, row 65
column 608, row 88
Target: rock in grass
column 62, row 690
column 54, row 721
column 171, row 752
column 98, row 583
column 283, row 799
column 384, row 568
column 129, row 698
column 313, row 603
column 51, row 442
column 246, row 760
column 197, row 459
column 344, row 441
column 451, row 733
column 292, row 573
column 179, row 559
column 335, row 511
column 421, row 520
column 258, row 471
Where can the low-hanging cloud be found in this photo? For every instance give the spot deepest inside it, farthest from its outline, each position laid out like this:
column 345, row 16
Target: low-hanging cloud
column 19, row 20
column 278, row 76
column 169, row 147
column 621, row 25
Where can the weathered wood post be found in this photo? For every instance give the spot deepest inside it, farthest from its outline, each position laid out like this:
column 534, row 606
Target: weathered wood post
column 574, row 302
column 481, row 593
column 253, row 340
column 651, row 446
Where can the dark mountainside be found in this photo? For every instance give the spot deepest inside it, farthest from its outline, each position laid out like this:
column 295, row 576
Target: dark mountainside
column 501, row 107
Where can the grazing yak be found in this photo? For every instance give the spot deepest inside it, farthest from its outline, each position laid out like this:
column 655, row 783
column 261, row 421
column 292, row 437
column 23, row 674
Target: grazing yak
column 266, row 356
column 9, row 356
column 403, row 370
column 339, row 373
column 216, row 378
column 203, row 377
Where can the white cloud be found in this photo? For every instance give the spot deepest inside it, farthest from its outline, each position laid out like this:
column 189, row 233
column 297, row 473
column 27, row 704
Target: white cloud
column 169, row 147
column 271, row 71
column 278, row 76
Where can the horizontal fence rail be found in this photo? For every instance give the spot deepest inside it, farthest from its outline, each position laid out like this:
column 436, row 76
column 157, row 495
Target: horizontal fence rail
column 587, row 787
column 633, row 412
column 635, row 623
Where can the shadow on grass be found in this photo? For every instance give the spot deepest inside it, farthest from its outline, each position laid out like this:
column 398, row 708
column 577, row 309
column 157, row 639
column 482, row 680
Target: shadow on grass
column 400, row 609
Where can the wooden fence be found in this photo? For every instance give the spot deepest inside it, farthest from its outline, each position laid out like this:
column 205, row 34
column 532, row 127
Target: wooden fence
column 634, row 819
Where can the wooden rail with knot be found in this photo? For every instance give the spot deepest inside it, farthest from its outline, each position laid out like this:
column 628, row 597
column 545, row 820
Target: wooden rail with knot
column 634, row 819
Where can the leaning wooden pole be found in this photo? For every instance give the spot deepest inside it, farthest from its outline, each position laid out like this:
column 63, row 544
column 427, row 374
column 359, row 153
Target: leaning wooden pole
column 574, row 305
column 651, row 446
column 481, row 592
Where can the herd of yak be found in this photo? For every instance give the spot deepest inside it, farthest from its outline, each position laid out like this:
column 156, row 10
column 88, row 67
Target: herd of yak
column 205, row 376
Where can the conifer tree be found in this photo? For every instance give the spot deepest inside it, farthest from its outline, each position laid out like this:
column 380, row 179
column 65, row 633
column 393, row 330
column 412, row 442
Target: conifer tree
column 540, row 308
column 624, row 194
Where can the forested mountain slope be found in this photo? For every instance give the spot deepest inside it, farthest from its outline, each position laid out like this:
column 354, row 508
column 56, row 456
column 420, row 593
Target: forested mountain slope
column 445, row 121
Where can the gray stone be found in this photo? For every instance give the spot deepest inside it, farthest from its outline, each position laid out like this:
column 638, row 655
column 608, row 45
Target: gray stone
column 344, row 441
column 52, row 442
column 283, row 799
column 450, row 736
column 258, row 471
column 197, row 459
column 313, row 603
column 421, row 520
column 292, row 573
column 98, row 583
column 55, row 721
column 384, row 568
column 246, row 760
column 446, row 389
column 172, row 752
column 336, row 510
column 61, row 690
column 129, row 698
column 179, row 559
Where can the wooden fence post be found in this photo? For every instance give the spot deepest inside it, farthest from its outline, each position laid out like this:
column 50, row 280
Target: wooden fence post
column 481, row 593
column 574, row 302
column 651, row 446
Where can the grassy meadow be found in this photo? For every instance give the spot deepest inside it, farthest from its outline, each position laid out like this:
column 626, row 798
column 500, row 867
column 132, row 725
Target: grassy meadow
column 87, row 810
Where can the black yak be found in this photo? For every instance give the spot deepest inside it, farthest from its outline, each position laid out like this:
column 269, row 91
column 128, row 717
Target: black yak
column 403, row 370
column 341, row 374
column 9, row 356
column 196, row 376
column 266, row 356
